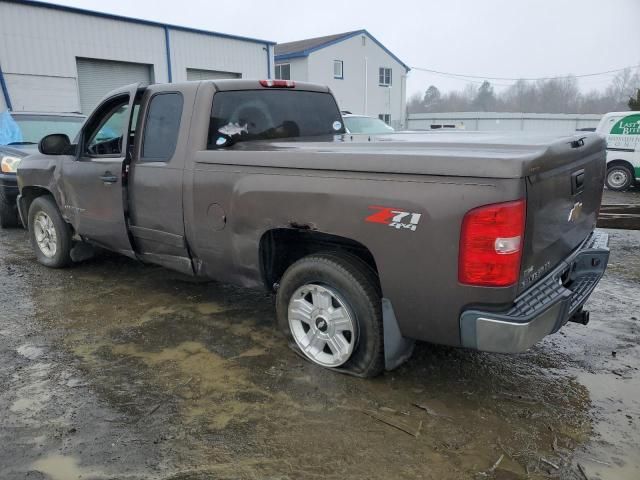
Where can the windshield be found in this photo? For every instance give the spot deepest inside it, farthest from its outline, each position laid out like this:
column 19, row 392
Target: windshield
column 31, row 128
column 366, row 125
column 268, row 114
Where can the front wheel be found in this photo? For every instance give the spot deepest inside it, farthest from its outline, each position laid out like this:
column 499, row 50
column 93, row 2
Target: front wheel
column 329, row 307
column 619, row 178
column 50, row 235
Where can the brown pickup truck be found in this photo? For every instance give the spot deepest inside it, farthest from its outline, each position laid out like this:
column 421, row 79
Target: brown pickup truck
column 472, row 239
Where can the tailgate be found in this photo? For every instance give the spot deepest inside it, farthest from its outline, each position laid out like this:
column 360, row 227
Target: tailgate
column 564, row 191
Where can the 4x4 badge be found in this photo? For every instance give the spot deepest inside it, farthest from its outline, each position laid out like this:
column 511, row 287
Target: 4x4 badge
column 394, row 218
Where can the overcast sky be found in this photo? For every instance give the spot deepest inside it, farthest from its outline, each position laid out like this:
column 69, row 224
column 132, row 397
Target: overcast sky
column 496, row 38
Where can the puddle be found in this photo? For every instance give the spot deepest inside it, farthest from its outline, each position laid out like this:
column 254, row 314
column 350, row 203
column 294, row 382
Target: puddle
column 30, row 351
column 23, row 404
column 59, row 467
column 34, row 393
column 210, row 308
column 212, row 387
column 617, row 402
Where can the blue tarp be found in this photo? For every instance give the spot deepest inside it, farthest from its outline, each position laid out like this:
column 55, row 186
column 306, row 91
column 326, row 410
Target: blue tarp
column 9, row 130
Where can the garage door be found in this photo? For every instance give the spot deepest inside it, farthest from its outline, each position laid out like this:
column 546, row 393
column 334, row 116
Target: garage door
column 96, row 78
column 198, row 74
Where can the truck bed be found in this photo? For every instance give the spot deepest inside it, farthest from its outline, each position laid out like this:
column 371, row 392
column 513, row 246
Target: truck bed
column 460, row 153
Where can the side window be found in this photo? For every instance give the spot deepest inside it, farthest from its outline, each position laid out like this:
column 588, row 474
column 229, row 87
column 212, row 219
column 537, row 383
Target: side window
column 162, row 127
column 385, row 117
column 105, row 137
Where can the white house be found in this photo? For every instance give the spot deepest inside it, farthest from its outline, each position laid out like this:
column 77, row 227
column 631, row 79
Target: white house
column 365, row 77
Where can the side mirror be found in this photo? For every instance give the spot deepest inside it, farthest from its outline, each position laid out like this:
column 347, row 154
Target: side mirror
column 55, row 144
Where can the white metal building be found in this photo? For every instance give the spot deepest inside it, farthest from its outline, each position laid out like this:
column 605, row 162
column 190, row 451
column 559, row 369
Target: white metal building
column 62, row 59
column 365, row 77
column 545, row 122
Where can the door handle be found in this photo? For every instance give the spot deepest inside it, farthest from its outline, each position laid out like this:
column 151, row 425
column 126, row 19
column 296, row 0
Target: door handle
column 108, row 177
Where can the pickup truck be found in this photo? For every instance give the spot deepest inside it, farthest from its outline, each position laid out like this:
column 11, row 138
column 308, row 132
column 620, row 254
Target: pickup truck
column 469, row 239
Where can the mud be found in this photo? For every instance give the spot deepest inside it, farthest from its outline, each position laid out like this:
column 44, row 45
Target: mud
column 115, row 370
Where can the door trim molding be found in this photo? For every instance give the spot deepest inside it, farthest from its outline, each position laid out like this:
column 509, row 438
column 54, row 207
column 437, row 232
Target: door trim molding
column 158, row 236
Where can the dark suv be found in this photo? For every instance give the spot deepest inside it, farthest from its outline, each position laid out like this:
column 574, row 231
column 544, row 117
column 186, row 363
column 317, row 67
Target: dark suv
column 20, row 133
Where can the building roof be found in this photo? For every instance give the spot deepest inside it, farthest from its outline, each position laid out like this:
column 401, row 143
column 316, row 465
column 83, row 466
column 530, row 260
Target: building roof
column 302, row 48
column 140, row 21
column 312, row 43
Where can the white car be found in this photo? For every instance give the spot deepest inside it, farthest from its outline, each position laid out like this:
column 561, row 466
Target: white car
column 622, row 130
column 363, row 124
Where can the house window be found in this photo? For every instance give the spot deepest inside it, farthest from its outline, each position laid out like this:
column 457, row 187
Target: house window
column 338, row 72
column 384, row 77
column 283, row 71
column 385, row 117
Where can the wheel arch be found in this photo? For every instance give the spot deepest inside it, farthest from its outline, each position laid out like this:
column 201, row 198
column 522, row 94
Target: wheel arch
column 27, row 196
column 281, row 247
column 624, row 163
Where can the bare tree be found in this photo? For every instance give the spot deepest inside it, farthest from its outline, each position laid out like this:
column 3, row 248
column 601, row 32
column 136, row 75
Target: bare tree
column 414, row 104
column 634, row 103
column 555, row 95
column 485, row 99
column 622, row 87
column 432, row 98
column 522, row 96
column 596, row 102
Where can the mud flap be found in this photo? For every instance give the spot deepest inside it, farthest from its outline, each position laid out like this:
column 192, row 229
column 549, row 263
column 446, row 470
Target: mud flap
column 82, row 251
column 397, row 349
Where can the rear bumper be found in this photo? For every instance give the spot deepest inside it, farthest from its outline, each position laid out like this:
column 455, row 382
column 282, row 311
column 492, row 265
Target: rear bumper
column 542, row 309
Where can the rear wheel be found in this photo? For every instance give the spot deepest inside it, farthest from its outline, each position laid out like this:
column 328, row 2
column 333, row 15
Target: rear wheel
column 329, row 307
column 619, row 178
column 50, row 235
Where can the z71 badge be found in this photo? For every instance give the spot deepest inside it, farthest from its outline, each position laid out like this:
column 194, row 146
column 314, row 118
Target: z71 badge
column 394, row 217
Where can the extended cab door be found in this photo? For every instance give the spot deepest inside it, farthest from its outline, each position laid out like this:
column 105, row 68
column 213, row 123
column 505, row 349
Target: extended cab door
column 156, row 218
column 95, row 197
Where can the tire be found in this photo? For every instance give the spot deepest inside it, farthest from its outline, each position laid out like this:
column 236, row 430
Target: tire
column 329, row 307
column 50, row 235
column 8, row 214
column 619, row 178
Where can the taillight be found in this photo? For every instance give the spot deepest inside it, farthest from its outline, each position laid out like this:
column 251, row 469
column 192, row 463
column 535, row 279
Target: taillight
column 491, row 242
column 278, row 83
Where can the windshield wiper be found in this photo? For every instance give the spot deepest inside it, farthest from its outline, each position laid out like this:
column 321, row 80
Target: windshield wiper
column 22, row 143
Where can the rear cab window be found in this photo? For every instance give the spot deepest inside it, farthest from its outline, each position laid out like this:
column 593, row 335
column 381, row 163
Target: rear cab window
column 246, row 115
column 162, row 127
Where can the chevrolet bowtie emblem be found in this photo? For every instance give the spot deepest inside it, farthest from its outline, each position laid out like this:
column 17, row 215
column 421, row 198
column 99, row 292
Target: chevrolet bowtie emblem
column 575, row 212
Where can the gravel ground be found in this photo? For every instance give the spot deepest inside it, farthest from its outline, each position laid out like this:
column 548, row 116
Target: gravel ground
column 115, row 370
column 630, row 197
